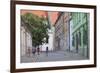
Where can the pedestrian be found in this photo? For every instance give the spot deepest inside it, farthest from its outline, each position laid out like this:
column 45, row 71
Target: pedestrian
column 38, row 51
column 47, row 51
column 33, row 51
column 28, row 51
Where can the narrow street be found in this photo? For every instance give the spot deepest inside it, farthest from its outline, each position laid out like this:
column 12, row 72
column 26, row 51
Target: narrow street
column 50, row 31
column 52, row 56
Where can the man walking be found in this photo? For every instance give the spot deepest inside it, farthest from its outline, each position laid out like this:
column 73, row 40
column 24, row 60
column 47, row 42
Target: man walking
column 38, row 51
column 47, row 51
column 33, row 51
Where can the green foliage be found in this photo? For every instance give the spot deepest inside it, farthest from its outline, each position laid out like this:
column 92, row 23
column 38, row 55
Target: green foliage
column 38, row 26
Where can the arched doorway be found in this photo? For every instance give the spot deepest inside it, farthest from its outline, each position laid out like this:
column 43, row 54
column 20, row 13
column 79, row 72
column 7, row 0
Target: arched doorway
column 77, row 43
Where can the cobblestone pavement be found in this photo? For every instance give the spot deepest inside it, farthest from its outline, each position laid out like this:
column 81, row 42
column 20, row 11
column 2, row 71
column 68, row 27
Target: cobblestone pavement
column 52, row 56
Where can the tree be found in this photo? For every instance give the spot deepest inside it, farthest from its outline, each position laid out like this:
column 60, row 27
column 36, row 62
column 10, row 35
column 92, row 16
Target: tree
column 38, row 27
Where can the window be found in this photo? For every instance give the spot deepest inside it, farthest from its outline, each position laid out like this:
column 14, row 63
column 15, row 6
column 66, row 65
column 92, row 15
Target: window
column 85, row 36
column 79, row 38
column 73, row 44
column 47, row 38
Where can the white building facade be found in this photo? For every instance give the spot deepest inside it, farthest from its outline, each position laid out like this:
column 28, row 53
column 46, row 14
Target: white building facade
column 51, row 32
column 49, row 44
column 25, row 39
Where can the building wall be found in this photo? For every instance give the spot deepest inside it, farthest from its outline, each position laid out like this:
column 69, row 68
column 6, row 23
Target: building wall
column 52, row 16
column 71, row 46
column 49, row 44
column 26, row 40
column 80, row 33
column 22, row 38
column 62, row 32
column 67, row 30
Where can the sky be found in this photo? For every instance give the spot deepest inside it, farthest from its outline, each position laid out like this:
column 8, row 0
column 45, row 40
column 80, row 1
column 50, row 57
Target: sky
column 53, row 15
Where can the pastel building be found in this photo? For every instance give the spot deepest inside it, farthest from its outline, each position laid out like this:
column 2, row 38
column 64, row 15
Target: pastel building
column 51, row 16
column 25, row 38
column 62, row 36
column 80, row 33
column 49, row 44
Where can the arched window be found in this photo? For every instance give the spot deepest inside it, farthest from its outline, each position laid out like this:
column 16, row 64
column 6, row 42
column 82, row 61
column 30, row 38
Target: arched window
column 85, row 36
column 73, row 44
column 79, row 38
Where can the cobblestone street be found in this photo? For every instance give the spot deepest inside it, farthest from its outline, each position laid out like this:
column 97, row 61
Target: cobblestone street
column 52, row 56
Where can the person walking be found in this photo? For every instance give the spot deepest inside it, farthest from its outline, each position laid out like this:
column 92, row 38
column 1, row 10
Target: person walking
column 33, row 51
column 47, row 51
column 28, row 52
column 38, row 51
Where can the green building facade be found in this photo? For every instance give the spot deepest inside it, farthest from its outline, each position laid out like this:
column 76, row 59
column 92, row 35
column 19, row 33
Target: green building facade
column 80, row 33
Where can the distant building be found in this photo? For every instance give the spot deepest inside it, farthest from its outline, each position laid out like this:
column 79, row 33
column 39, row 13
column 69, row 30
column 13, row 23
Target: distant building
column 50, row 42
column 80, row 32
column 62, row 33
column 25, row 38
